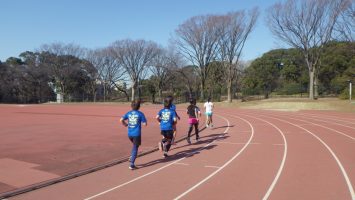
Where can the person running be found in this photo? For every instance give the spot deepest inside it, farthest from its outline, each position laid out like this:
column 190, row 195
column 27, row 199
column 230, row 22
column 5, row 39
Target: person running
column 209, row 111
column 173, row 108
column 166, row 117
column 134, row 120
column 193, row 111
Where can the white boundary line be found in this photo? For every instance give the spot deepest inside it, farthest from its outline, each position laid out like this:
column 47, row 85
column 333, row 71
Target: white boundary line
column 278, row 174
column 316, row 119
column 222, row 167
column 154, row 171
column 324, row 117
column 209, row 166
column 321, row 126
column 334, row 123
column 182, row 164
column 347, row 180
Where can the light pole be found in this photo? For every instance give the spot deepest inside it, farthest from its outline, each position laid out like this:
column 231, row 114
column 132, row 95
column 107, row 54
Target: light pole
column 350, row 89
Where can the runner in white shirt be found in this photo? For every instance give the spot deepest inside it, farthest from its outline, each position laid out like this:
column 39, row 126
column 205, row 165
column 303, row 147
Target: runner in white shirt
column 209, row 110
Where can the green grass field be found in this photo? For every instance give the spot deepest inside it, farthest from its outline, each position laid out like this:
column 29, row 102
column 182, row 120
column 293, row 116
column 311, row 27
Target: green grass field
column 286, row 104
column 295, row 104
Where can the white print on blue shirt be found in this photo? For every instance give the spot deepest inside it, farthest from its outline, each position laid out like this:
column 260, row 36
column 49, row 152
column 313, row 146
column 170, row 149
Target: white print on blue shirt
column 165, row 116
column 133, row 120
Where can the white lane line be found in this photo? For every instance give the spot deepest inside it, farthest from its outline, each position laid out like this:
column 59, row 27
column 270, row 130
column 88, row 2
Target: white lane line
column 347, row 180
column 322, row 117
column 209, row 166
column 157, row 170
column 352, row 127
column 278, row 174
column 344, row 134
column 182, row 164
column 133, row 180
column 222, row 167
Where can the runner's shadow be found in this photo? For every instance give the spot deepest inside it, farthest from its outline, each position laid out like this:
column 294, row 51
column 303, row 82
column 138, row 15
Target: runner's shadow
column 221, row 127
column 210, row 138
column 186, row 153
column 189, row 152
column 202, row 129
column 215, row 135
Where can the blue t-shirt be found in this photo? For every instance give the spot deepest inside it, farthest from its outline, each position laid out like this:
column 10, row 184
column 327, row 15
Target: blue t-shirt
column 167, row 118
column 173, row 107
column 135, row 118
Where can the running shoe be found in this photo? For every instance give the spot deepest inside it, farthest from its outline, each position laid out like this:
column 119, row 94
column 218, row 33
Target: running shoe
column 188, row 140
column 132, row 167
column 165, row 155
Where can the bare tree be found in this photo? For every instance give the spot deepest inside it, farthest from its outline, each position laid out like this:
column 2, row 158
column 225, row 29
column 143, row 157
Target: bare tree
column 61, row 49
column 306, row 25
column 95, row 58
column 110, row 72
column 135, row 57
column 160, row 69
column 197, row 40
column 345, row 26
column 236, row 27
column 60, row 58
column 163, row 64
column 188, row 76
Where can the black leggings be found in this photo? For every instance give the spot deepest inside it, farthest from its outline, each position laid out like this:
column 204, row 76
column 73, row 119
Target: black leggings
column 196, row 130
column 168, row 136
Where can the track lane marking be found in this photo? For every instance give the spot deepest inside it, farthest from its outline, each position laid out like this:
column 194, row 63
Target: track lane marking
column 347, row 180
column 209, row 166
column 161, row 168
column 311, row 123
column 279, row 171
column 185, row 164
column 322, row 120
column 322, row 117
column 222, row 167
column 334, row 123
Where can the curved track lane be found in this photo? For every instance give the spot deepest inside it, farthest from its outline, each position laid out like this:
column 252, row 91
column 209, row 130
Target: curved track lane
column 247, row 155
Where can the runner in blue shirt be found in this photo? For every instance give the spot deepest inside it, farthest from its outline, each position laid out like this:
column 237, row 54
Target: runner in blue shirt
column 135, row 118
column 166, row 117
column 173, row 108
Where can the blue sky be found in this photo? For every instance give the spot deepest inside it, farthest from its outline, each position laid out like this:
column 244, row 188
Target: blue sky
column 27, row 24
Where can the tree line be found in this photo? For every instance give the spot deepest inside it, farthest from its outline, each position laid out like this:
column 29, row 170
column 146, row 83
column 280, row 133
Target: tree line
column 284, row 72
column 203, row 59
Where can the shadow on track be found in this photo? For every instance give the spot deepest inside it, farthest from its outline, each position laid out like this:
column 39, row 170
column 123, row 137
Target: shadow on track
column 189, row 152
column 222, row 127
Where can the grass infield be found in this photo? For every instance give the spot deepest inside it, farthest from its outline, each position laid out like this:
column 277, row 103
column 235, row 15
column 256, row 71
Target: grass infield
column 294, row 104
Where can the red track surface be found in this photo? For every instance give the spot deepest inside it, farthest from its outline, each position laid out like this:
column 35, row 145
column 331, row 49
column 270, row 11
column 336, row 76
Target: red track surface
column 249, row 154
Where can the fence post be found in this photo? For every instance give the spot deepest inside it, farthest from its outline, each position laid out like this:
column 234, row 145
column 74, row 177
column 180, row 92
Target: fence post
column 350, row 90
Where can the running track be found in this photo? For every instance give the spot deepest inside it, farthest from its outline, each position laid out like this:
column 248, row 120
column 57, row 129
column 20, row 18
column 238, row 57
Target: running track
column 249, row 154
